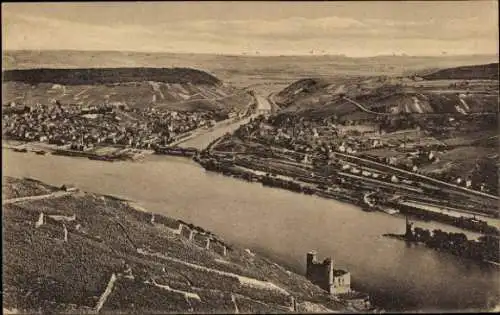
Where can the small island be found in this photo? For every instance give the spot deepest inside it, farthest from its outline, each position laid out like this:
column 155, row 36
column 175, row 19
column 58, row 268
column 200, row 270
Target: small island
column 484, row 249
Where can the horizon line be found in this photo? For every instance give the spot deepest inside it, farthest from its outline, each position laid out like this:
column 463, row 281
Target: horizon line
column 253, row 54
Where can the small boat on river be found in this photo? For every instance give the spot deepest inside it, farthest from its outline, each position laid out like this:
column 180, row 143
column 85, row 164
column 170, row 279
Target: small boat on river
column 368, row 204
column 389, row 210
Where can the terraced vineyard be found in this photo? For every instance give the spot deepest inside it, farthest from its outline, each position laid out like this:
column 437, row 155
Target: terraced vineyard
column 180, row 89
column 88, row 253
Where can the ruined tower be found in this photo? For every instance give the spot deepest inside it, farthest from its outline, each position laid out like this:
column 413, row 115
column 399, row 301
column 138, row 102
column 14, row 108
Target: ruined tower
column 311, row 260
column 326, row 277
column 328, row 270
column 319, row 273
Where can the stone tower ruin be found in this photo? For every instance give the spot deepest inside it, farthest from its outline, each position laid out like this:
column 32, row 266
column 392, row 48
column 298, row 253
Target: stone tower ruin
column 325, row 276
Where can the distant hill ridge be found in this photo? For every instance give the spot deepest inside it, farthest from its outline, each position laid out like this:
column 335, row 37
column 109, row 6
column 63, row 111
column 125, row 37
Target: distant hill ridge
column 91, row 76
column 385, row 94
column 486, row 72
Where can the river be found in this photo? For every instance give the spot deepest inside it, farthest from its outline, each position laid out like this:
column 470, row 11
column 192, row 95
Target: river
column 282, row 225
column 202, row 140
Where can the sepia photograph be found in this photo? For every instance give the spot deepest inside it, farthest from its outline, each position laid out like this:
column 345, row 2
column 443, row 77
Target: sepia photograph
column 250, row 157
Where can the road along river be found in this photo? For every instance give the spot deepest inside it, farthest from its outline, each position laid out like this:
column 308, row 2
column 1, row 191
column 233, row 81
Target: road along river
column 282, row 224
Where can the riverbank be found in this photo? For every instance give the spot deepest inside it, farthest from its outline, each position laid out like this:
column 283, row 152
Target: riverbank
column 273, row 180
column 102, row 153
column 342, row 190
column 177, row 151
column 112, row 153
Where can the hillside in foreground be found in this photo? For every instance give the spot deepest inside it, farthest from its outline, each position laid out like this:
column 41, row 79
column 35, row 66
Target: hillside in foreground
column 88, row 253
column 174, row 88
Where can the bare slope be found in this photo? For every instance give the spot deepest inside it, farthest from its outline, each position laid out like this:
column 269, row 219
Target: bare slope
column 116, row 259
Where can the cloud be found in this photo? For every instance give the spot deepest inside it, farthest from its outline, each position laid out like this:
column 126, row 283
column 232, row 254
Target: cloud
column 36, row 32
column 282, row 27
column 297, row 28
column 287, row 35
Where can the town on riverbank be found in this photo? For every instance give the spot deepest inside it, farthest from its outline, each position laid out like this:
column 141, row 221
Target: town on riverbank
column 107, row 132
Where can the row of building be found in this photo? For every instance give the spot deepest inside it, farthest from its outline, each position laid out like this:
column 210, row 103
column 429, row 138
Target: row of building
column 405, row 149
column 84, row 127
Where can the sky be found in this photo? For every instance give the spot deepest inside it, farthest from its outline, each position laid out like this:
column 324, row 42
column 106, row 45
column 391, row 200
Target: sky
column 357, row 29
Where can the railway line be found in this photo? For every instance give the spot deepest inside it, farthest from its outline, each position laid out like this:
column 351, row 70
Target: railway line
column 366, row 110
